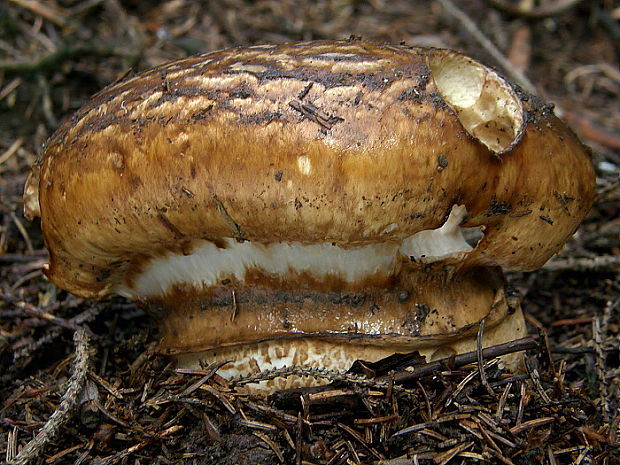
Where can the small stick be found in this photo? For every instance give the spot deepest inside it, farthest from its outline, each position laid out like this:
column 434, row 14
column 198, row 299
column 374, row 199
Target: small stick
column 498, row 350
column 444, row 457
column 61, row 415
column 23, row 232
column 8, row 153
column 11, row 444
column 355, row 435
column 502, row 402
column 10, row 87
column 87, row 315
column 274, row 447
column 548, row 8
column 531, row 424
column 264, row 410
column 122, row 454
column 545, row 337
column 235, row 307
column 21, row 258
column 522, row 402
column 219, row 396
column 599, row 331
column 583, row 455
column 483, row 375
column 33, row 311
column 584, row 264
column 467, row 379
column 592, row 131
column 535, row 377
column 298, row 439
column 520, row 51
column 51, row 13
column 209, row 372
column 52, row 59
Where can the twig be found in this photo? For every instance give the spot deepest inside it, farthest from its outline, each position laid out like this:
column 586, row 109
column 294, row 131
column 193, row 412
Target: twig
column 592, row 131
column 445, row 457
column 535, row 377
column 20, row 258
column 235, row 306
column 33, row 311
column 548, row 8
column 551, row 457
column 272, row 412
column 10, row 87
column 583, row 455
column 522, row 401
column 105, row 385
column 83, row 7
column 355, row 435
column 520, row 51
column 298, row 439
column 69, row 399
column 502, row 401
column 491, row 352
column 25, row 278
column 23, row 232
column 483, row 375
column 11, row 444
column 219, row 396
column 253, row 424
column 211, row 429
column 468, row 378
column 531, row 424
column 585, row 264
column 400, row 377
column 8, row 153
column 83, row 317
column 274, row 447
column 48, row 12
column 409, row 459
column 122, row 454
column 51, row 60
column 598, row 334
column 516, row 75
column 209, row 372
column 600, row 327
column 545, row 337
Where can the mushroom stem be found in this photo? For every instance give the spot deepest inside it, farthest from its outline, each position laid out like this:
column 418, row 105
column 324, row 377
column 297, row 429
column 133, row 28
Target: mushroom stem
column 432, row 308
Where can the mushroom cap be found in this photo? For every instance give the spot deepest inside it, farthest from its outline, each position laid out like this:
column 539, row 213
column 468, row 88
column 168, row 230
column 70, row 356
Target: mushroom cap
column 331, row 142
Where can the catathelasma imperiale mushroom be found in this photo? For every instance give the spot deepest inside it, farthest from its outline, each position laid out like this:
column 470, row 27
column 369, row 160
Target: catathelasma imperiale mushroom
column 304, row 204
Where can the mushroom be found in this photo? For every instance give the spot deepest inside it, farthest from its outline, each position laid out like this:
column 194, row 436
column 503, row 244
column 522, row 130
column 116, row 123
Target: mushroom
column 305, row 204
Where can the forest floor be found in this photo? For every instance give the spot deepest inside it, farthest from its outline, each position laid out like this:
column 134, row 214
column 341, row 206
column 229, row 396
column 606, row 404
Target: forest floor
column 86, row 375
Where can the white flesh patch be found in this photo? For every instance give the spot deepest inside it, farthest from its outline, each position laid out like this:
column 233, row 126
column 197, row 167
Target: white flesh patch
column 487, row 106
column 208, row 264
column 304, row 165
column 439, row 243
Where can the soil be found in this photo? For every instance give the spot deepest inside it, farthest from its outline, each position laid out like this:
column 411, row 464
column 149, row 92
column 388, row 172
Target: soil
column 130, row 405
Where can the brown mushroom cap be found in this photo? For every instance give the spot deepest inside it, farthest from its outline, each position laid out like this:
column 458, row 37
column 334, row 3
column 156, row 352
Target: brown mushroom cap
column 326, row 144
column 216, row 146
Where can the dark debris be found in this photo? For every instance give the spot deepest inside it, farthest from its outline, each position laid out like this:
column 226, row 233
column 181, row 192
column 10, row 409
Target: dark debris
column 136, row 408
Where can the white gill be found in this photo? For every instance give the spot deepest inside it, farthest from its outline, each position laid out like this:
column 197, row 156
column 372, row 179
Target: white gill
column 208, row 264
